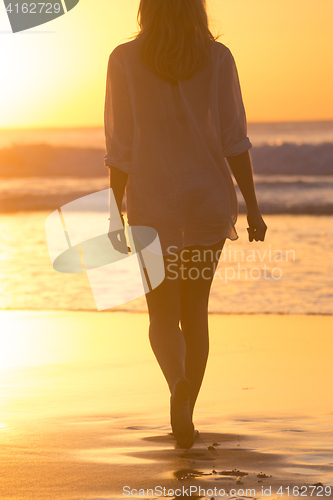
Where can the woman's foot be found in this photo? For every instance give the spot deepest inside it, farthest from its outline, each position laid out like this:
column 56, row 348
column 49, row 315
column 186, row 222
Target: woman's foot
column 181, row 421
column 188, row 441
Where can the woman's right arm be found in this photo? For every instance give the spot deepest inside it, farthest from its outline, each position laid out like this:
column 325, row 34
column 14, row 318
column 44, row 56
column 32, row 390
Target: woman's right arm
column 119, row 139
column 241, row 168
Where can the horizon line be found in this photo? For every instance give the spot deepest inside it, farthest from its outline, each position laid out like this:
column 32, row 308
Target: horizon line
column 78, row 127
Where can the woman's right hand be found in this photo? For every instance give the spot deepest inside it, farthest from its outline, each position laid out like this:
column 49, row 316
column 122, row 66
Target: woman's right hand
column 118, row 241
column 257, row 227
column 118, row 236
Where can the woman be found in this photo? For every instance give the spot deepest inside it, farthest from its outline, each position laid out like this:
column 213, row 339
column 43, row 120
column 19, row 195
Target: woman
column 173, row 113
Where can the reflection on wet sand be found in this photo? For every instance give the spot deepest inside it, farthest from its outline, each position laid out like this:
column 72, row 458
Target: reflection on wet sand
column 84, row 409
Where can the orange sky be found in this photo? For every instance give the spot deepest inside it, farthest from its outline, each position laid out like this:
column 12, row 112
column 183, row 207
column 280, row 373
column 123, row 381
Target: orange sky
column 54, row 75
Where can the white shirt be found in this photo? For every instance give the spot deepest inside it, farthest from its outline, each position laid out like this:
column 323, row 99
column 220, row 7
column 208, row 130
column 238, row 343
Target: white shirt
column 172, row 140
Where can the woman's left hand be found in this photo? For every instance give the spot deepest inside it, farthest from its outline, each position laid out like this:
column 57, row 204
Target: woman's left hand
column 257, row 227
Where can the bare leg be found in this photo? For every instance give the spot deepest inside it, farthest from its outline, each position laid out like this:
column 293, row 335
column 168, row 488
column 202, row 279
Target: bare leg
column 166, row 338
column 182, row 354
column 195, row 288
column 168, row 344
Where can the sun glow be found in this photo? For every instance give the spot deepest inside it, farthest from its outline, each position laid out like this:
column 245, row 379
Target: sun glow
column 15, row 350
column 54, row 76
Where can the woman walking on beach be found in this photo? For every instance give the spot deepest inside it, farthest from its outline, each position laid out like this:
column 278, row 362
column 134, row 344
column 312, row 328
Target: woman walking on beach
column 173, row 114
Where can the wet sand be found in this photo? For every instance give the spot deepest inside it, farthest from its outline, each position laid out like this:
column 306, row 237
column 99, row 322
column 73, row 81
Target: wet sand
column 84, row 409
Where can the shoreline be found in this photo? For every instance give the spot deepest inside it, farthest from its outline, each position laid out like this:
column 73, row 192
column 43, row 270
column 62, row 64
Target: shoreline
column 133, row 311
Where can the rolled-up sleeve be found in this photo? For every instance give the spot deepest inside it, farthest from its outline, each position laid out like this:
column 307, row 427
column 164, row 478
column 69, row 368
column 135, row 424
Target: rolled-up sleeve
column 233, row 124
column 118, row 118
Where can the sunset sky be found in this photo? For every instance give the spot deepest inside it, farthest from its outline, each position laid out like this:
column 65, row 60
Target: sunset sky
column 54, row 75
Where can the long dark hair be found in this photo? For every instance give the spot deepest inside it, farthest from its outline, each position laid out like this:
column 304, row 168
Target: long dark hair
column 174, row 36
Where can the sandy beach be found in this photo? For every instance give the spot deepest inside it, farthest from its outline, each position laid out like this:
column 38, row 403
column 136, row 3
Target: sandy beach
column 84, row 409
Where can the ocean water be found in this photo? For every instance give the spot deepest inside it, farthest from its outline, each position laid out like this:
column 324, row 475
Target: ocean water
column 291, row 272
column 41, row 170
column 313, row 132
